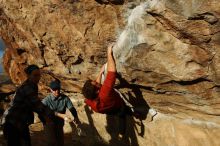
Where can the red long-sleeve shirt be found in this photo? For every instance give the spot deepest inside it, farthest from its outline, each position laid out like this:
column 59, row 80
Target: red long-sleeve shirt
column 108, row 99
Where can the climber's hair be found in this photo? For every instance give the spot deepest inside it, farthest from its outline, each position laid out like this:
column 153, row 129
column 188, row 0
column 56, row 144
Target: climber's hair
column 89, row 90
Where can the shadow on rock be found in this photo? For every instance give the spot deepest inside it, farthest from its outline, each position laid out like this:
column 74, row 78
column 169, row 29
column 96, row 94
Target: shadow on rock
column 133, row 96
column 89, row 135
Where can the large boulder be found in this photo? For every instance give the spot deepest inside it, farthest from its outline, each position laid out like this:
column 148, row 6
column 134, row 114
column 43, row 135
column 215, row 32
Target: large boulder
column 167, row 54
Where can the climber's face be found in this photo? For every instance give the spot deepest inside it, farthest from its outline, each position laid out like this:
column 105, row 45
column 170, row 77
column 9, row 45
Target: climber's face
column 55, row 92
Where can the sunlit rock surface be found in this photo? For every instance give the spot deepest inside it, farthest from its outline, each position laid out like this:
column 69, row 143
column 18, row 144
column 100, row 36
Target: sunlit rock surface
column 170, row 62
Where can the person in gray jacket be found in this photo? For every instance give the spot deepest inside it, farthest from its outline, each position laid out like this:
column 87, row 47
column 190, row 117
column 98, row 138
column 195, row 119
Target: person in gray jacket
column 58, row 102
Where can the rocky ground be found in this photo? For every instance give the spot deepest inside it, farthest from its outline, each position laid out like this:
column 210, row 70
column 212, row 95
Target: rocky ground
column 166, row 128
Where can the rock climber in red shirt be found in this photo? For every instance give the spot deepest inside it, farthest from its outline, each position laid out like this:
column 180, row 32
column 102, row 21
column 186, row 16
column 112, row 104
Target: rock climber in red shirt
column 103, row 98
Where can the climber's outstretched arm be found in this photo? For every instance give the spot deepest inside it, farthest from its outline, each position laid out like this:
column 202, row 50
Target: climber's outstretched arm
column 111, row 66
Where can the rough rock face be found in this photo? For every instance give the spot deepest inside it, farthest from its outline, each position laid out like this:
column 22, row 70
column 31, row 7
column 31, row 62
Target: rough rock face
column 167, row 52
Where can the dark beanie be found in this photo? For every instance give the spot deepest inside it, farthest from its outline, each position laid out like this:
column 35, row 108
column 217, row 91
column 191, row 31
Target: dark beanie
column 55, row 85
column 28, row 70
